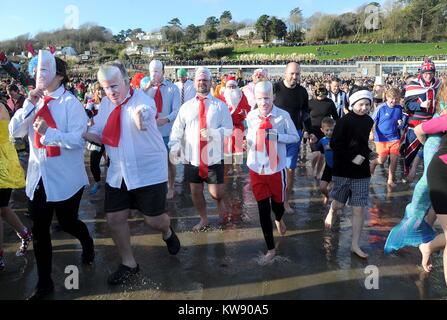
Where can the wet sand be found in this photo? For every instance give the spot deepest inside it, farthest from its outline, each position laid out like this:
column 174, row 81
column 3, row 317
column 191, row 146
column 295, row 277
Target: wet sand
column 225, row 262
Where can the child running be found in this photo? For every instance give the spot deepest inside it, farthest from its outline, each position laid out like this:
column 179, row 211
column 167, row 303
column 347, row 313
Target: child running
column 351, row 173
column 388, row 119
column 327, row 127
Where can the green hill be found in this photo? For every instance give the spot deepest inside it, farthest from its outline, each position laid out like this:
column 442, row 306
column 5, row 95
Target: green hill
column 346, row 51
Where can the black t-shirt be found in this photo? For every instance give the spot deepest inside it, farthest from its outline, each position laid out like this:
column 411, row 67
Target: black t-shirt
column 320, row 109
column 296, row 102
column 350, row 138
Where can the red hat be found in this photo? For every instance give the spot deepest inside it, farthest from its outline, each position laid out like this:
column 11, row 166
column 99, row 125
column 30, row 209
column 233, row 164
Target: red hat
column 231, row 81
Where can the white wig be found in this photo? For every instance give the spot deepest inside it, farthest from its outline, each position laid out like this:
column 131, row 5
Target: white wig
column 111, row 70
column 264, row 87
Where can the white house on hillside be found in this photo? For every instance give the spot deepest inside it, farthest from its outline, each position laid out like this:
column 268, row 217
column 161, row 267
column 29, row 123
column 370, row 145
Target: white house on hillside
column 150, row 36
column 245, row 32
column 134, row 49
column 66, row 51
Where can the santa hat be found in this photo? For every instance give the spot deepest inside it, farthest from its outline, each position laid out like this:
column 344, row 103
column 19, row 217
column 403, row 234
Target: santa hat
column 428, row 66
column 231, row 81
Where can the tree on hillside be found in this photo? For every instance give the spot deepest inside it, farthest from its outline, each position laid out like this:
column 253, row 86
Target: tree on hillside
column 295, row 19
column 210, row 28
column 192, row 33
column 263, row 27
column 278, row 28
column 211, row 22
column 175, row 22
column 226, row 15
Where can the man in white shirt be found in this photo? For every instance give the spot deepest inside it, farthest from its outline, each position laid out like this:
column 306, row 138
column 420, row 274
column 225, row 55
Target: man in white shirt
column 203, row 122
column 167, row 100
column 54, row 121
column 138, row 171
column 270, row 129
column 185, row 86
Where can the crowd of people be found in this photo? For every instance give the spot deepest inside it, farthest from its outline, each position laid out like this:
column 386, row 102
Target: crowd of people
column 144, row 127
column 139, row 63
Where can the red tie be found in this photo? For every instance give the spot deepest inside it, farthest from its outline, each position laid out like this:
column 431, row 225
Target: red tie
column 158, row 100
column 203, row 150
column 45, row 113
column 261, row 141
column 112, row 131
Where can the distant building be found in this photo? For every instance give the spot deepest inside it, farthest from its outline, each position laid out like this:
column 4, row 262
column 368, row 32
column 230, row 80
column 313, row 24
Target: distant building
column 157, row 36
column 278, row 41
column 66, row 51
column 245, row 32
column 134, row 49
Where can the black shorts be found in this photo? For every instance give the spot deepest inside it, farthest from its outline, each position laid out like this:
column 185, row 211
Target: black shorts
column 437, row 184
column 327, row 174
column 5, row 196
column 215, row 174
column 150, row 200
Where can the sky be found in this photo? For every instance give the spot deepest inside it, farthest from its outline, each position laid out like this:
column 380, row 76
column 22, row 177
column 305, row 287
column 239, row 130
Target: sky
column 34, row 16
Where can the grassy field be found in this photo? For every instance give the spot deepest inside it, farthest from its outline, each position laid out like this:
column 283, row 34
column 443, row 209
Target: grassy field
column 344, row 51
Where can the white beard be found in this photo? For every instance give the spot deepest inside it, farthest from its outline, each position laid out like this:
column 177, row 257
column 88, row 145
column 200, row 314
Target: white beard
column 233, row 97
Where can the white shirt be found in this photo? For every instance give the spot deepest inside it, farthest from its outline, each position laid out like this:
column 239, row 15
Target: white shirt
column 141, row 157
column 185, row 132
column 287, row 134
column 65, row 175
column 171, row 105
column 190, row 91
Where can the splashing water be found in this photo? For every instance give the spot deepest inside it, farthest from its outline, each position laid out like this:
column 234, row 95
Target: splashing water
column 262, row 261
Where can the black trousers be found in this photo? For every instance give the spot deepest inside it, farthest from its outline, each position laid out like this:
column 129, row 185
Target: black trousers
column 42, row 216
column 265, row 211
column 95, row 161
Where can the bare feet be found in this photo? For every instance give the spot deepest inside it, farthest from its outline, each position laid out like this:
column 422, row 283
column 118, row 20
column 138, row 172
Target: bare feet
column 281, row 226
column 287, row 207
column 202, row 226
column 359, row 252
column 171, row 194
column 426, row 254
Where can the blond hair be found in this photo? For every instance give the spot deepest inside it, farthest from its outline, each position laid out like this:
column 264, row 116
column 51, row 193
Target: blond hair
column 393, row 92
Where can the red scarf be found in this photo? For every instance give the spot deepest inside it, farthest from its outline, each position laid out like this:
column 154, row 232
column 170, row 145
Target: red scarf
column 112, row 131
column 262, row 141
column 203, row 143
column 158, row 100
column 45, row 114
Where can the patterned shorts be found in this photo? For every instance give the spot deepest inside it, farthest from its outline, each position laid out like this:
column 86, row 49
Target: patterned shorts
column 354, row 190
